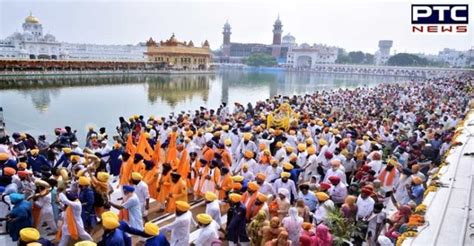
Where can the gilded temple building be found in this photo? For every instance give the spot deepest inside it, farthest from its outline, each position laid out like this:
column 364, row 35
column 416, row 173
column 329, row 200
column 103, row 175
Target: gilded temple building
column 179, row 55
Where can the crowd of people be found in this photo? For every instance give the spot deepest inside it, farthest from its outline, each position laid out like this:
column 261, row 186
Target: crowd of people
column 329, row 177
column 385, row 71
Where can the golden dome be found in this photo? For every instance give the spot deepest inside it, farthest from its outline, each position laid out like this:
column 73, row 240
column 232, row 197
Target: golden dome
column 31, row 19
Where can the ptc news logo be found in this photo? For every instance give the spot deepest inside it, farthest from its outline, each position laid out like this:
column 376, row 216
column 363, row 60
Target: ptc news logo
column 439, row 18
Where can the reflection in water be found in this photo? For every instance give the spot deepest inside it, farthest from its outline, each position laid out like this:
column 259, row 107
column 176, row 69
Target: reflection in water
column 41, row 99
column 178, row 88
column 175, row 89
column 249, row 81
column 40, row 104
column 55, row 81
column 171, row 89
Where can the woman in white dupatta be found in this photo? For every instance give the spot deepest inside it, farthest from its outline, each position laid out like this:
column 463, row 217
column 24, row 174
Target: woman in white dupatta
column 292, row 224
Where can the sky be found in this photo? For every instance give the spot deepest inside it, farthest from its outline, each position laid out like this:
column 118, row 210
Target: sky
column 349, row 24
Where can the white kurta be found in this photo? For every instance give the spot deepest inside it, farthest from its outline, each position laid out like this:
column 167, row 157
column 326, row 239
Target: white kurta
column 213, row 209
column 321, row 212
column 272, row 173
column 364, row 207
column 207, row 235
column 141, row 189
column 179, row 228
column 76, row 210
column 266, row 188
column 290, row 186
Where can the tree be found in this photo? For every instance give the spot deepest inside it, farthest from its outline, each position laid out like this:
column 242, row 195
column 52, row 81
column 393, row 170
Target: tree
column 354, row 57
column 369, row 59
column 260, row 60
column 342, row 229
column 405, row 59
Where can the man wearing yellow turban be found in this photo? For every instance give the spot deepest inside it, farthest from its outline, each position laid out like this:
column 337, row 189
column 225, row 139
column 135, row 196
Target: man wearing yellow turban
column 28, row 235
column 326, row 204
column 247, row 159
column 141, row 189
column 273, row 171
column 285, row 182
column 114, row 231
column 154, row 235
column 180, row 227
column 209, row 230
column 86, row 196
column 246, row 145
column 83, row 243
column 36, row 161
column 236, row 222
column 212, row 207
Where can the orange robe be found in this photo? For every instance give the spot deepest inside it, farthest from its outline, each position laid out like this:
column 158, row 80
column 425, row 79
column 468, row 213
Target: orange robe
column 196, row 178
column 36, row 212
column 248, row 199
column 126, row 171
column 226, row 159
column 130, row 147
column 151, row 179
column 225, row 184
column 191, row 175
column 209, row 184
column 164, row 185
column 144, row 148
column 178, row 192
column 172, row 152
column 183, row 166
column 208, row 154
column 252, row 210
column 139, row 168
column 156, row 154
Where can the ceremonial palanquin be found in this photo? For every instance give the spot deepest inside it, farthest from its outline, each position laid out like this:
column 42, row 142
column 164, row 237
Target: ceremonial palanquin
column 282, row 117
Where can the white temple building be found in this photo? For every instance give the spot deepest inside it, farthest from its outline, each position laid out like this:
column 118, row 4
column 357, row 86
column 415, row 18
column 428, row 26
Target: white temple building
column 307, row 56
column 32, row 43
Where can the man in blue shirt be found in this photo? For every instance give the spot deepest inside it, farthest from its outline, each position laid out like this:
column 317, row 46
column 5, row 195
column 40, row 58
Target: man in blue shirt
column 308, row 198
column 36, row 161
column 416, row 189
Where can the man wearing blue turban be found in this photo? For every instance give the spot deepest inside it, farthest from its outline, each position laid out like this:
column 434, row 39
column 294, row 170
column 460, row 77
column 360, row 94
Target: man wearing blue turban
column 132, row 206
column 20, row 216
